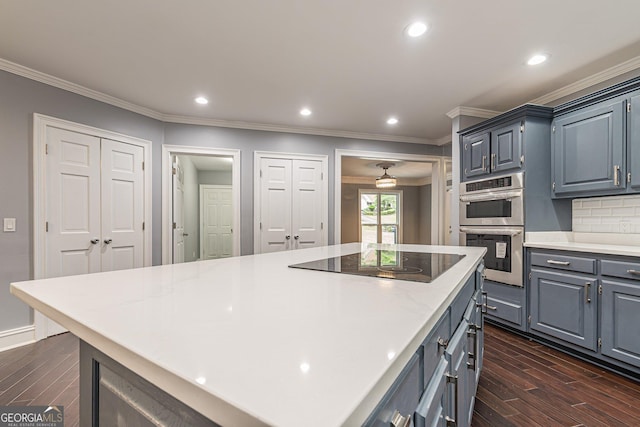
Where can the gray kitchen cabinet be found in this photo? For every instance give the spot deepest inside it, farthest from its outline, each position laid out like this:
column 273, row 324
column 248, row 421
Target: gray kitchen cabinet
column 475, row 154
column 633, row 138
column 506, row 147
column 587, row 303
column 432, row 408
column 564, row 306
column 588, row 150
column 506, row 304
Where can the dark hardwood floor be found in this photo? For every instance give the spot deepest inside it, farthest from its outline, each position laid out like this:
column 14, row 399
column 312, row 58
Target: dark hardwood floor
column 523, row 383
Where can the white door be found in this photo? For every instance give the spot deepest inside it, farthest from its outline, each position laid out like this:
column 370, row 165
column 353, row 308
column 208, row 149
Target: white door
column 94, row 203
column 216, row 218
column 275, row 205
column 178, row 212
column 122, row 201
column 73, row 241
column 306, row 215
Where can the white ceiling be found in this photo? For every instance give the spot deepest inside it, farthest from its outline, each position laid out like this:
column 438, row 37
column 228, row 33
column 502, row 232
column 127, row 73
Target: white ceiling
column 357, row 167
column 210, row 163
column 260, row 61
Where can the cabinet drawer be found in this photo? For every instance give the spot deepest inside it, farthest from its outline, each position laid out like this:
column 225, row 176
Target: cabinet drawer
column 403, row 396
column 431, row 410
column 624, row 269
column 510, row 311
column 564, row 262
column 432, row 350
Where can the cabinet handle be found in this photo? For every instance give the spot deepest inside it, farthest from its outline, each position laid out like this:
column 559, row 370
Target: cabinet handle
column 472, row 356
column 484, row 161
column 493, row 161
column 636, row 272
column 491, row 307
column 397, row 420
column 616, row 175
column 554, row 262
column 442, row 343
column 587, row 292
column 453, row 379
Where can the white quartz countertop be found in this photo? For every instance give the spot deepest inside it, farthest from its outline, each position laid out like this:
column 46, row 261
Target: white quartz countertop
column 599, row 243
column 249, row 341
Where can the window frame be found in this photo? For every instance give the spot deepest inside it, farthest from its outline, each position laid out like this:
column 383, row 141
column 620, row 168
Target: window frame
column 399, row 212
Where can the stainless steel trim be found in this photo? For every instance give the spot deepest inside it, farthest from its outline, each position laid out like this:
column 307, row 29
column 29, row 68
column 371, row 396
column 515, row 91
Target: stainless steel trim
column 517, row 182
column 493, row 231
column 616, row 175
column 587, row 292
column 453, row 379
column 498, row 195
column 636, row 272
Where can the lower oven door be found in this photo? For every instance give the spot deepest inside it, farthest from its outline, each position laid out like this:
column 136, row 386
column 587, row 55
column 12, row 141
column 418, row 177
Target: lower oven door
column 503, row 260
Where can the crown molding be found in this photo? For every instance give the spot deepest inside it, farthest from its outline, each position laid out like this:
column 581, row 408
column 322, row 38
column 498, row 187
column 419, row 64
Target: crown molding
column 601, row 77
column 203, row 121
column 59, row 83
column 472, row 112
column 443, row 141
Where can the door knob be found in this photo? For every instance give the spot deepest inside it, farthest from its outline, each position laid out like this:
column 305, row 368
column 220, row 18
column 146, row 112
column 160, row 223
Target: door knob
column 296, row 237
column 287, row 237
column 95, row 241
column 108, row 241
column 185, row 234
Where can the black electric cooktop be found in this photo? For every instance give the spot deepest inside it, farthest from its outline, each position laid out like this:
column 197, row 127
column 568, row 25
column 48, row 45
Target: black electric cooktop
column 387, row 264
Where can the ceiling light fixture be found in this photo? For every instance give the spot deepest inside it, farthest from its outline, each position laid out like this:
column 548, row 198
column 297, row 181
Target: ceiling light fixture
column 537, row 59
column 305, row 112
column 392, row 121
column 386, row 180
column 202, row 100
column 416, row 29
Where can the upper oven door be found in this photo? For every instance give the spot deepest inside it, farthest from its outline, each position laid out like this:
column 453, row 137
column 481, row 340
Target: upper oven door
column 492, row 208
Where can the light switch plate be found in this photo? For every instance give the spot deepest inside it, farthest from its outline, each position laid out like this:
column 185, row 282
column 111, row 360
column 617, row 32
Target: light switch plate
column 9, row 224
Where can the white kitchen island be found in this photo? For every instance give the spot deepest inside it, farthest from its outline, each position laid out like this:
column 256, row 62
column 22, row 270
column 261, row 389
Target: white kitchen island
column 248, row 341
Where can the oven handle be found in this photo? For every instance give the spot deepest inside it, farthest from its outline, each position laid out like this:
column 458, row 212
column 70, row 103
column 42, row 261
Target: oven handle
column 498, row 231
column 503, row 195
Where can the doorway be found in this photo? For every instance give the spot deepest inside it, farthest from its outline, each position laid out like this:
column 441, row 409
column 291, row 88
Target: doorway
column 418, row 214
column 195, row 228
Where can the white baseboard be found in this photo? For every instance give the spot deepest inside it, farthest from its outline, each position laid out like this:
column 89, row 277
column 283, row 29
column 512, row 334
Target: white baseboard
column 17, row 337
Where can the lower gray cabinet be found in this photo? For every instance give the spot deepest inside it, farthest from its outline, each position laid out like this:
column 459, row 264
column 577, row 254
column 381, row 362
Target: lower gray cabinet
column 458, row 354
column 620, row 320
column 564, row 306
column 432, row 409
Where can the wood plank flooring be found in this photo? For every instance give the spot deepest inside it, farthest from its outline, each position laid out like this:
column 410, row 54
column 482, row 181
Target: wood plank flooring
column 523, row 383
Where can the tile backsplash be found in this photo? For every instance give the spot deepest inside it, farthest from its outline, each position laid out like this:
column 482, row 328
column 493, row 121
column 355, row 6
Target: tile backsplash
column 614, row 214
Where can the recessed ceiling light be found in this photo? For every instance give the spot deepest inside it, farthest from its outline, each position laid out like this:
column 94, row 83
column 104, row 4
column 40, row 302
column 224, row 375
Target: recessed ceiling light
column 392, row 121
column 202, row 100
column 305, row 112
column 416, row 29
column 537, row 59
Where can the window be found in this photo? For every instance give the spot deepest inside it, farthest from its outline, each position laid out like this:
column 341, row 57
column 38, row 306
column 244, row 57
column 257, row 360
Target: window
column 380, row 216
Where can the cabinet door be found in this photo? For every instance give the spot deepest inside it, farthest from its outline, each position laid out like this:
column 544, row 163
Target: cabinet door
column 475, row 156
column 432, row 409
column 620, row 320
column 506, row 147
column 588, row 150
column 458, row 356
column 275, row 205
column 634, row 142
column 564, row 306
column 306, row 204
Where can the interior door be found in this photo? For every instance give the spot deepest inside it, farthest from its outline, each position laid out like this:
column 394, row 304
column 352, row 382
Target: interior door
column 275, row 204
column 216, row 216
column 122, row 201
column 178, row 212
column 73, row 242
column 306, row 217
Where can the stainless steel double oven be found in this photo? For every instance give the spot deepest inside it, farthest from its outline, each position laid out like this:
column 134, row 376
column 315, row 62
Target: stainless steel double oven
column 492, row 216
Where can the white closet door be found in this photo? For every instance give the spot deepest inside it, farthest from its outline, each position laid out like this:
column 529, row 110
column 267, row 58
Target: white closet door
column 73, row 241
column 306, row 218
column 122, row 202
column 275, row 205
column 216, row 215
column 178, row 212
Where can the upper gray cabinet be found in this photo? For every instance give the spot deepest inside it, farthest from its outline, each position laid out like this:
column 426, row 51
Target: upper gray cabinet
column 596, row 143
column 588, row 150
column 498, row 145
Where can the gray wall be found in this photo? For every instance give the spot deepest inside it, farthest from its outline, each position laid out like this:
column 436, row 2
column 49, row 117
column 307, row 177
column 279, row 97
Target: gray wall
column 21, row 97
column 413, row 214
column 215, row 177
